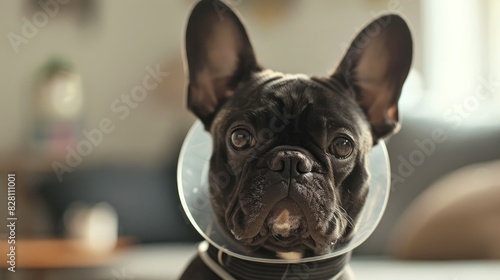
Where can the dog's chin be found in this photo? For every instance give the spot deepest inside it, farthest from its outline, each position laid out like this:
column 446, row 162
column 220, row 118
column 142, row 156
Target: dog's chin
column 286, row 227
column 286, row 230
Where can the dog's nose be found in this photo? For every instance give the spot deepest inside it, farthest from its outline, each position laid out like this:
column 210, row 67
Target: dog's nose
column 290, row 163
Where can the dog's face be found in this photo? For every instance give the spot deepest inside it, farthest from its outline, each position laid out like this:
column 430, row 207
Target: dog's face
column 296, row 152
column 288, row 171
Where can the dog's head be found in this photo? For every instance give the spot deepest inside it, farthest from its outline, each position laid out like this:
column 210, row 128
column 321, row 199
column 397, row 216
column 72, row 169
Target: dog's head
column 289, row 165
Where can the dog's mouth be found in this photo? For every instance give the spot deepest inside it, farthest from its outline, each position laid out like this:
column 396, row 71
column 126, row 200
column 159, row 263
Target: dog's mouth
column 286, row 226
column 284, row 229
column 285, row 220
column 283, row 211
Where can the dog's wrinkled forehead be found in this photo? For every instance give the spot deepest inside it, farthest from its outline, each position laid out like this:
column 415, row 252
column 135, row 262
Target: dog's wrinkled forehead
column 275, row 97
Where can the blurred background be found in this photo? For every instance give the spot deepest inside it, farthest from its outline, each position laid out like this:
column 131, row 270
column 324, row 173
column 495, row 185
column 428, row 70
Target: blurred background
column 93, row 115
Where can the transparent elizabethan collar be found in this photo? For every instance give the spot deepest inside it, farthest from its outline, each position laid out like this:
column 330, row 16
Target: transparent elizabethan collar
column 192, row 177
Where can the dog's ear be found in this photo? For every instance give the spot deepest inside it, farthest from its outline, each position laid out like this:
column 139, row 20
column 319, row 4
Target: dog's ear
column 375, row 67
column 219, row 56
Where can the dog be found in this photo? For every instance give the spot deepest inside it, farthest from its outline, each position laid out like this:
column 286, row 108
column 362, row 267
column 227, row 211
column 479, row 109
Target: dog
column 293, row 148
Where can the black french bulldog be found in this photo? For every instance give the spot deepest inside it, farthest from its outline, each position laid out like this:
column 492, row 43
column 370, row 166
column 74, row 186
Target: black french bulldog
column 288, row 174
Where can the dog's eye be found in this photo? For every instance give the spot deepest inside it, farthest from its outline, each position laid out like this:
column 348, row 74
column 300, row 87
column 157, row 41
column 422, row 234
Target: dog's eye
column 241, row 139
column 341, row 147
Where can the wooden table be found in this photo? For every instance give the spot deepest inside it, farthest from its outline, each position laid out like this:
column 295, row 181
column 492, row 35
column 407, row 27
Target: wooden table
column 40, row 255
